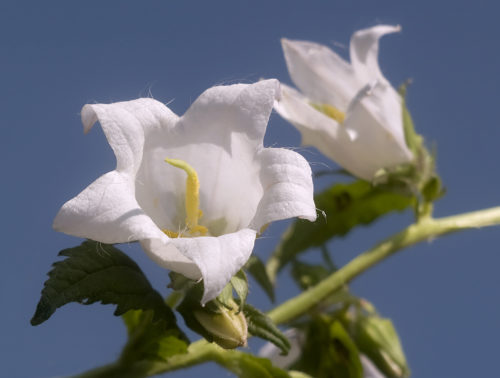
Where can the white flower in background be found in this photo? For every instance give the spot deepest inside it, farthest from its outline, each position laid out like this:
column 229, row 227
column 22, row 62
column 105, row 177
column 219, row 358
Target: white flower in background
column 194, row 190
column 350, row 112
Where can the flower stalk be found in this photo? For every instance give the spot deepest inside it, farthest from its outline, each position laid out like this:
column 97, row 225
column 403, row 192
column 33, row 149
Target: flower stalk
column 426, row 229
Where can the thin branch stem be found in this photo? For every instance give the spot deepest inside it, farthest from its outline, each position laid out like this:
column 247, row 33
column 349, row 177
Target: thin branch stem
column 426, row 229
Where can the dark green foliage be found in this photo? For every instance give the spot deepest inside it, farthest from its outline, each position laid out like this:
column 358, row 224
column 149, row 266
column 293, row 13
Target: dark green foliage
column 258, row 271
column 95, row 272
column 150, row 340
column 345, row 206
column 329, row 351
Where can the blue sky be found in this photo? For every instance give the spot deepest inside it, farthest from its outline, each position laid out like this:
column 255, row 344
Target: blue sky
column 56, row 56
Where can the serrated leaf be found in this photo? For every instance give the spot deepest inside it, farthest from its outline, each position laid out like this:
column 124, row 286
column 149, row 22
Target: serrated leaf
column 240, row 285
column 95, row 272
column 260, row 325
column 258, row 271
column 345, row 206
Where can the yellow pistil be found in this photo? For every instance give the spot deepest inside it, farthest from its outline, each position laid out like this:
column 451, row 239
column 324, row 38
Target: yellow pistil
column 192, row 200
column 330, row 111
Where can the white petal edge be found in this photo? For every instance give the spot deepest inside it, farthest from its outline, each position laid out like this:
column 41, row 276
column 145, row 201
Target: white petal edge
column 125, row 124
column 320, row 73
column 242, row 108
column 107, row 211
column 217, row 258
column 288, row 187
column 364, row 52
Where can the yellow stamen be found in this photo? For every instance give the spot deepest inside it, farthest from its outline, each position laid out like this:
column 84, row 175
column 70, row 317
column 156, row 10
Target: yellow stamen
column 192, row 200
column 330, row 111
column 170, row 234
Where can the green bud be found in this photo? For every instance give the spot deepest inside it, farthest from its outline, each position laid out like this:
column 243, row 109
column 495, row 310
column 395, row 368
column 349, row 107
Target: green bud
column 227, row 327
column 378, row 340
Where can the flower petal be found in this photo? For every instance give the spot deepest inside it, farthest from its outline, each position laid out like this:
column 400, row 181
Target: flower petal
column 363, row 144
column 320, row 73
column 364, row 52
column 218, row 258
column 221, row 111
column 288, row 187
column 375, row 119
column 124, row 124
column 106, row 211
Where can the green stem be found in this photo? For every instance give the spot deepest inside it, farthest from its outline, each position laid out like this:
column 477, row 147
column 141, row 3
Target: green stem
column 426, row 229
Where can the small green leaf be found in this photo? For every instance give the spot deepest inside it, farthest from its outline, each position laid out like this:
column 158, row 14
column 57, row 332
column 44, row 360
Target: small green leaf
column 258, row 271
column 345, row 206
column 95, row 272
column 226, row 295
column 179, row 282
column 260, row 325
column 240, row 285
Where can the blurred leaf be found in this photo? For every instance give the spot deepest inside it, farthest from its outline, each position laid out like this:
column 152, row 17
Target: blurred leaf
column 240, row 285
column 345, row 206
column 258, row 271
column 95, row 272
column 260, row 325
column 377, row 338
column 179, row 282
column 329, row 351
column 249, row 366
column 308, row 275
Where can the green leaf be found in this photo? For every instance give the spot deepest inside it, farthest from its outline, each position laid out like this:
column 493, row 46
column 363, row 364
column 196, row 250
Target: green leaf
column 308, row 275
column 150, row 340
column 260, row 325
column 226, row 295
column 249, row 366
column 258, row 271
column 413, row 140
column 240, row 285
column 95, row 272
column 377, row 338
column 345, row 206
column 329, row 348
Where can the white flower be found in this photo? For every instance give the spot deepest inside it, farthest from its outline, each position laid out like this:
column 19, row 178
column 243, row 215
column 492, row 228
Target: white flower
column 350, row 112
column 198, row 214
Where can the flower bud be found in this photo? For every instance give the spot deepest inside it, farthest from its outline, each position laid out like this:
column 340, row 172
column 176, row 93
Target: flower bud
column 228, row 327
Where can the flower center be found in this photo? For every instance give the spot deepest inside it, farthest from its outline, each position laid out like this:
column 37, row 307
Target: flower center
column 330, row 111
column 191, row 202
